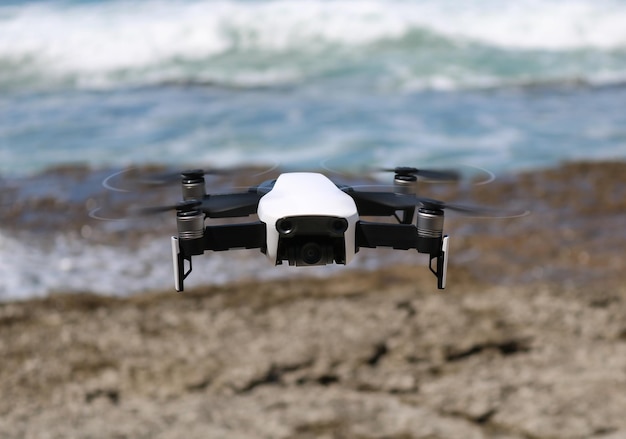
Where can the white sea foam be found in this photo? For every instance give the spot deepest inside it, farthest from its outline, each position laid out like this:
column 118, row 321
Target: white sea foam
column 533, row 24
column 267, row 42
column 69, row 264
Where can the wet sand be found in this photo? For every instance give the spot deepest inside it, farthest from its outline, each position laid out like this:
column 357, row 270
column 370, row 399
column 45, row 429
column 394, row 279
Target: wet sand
column 528, row 341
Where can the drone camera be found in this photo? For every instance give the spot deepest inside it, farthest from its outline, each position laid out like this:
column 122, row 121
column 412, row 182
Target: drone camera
column 311, row 240
column 308, row 252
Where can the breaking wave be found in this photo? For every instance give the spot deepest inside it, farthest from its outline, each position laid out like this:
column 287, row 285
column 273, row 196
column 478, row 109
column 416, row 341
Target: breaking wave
column 236, row 43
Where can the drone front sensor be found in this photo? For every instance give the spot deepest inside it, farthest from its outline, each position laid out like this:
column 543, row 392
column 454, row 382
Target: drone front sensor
column 311, row 240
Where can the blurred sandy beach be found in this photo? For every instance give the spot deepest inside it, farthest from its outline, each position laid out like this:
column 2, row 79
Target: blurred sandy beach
column 528, row 341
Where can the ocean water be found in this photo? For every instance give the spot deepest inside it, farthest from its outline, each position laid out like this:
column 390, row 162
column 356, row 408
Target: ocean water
column 505, row 86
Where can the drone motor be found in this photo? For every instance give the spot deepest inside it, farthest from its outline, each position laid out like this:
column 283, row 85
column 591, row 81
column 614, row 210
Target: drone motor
column 190, row 224
column 404, row 183
column 429, row 230
column 193, row 184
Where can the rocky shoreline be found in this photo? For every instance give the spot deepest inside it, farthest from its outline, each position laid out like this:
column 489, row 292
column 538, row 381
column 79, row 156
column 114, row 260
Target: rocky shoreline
column 529, row 340
column 361, row 355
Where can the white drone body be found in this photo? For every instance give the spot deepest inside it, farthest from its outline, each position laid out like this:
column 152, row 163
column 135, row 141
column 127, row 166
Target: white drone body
column 308, row 200
column 305, row 219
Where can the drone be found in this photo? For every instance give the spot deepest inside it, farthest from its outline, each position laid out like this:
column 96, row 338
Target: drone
column 305, row 219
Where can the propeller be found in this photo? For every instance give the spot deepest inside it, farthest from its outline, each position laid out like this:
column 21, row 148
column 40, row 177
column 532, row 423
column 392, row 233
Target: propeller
column 131, row 179
column 137, row 183
column 475, row 211
column 183, row 206
column 389, row 202
column 428, row 174
column 214, row 206
column 168, row 178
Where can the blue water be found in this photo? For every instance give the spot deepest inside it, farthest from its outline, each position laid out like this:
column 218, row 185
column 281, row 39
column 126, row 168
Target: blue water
column 428, row 83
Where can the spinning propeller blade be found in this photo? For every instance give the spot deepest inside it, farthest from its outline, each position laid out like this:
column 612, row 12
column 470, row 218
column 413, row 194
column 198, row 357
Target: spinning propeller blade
column 183, row 206
column 428, row 174
column 167, row 178
column 475, row 211
column 214, row 206
column 173, row 177
column 385, row 203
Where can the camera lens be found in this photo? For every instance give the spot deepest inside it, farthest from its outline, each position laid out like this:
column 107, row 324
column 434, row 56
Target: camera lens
column 311, row 253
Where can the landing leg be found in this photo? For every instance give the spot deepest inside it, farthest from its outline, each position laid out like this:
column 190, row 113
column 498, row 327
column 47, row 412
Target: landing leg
column 442, row 264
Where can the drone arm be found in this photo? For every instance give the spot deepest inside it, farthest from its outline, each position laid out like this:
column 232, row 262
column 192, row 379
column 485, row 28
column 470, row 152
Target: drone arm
column 383, row 203
column 231, row 205
column 215, row 238
column 404, row 237
column 232, row 236
column 397, row 236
